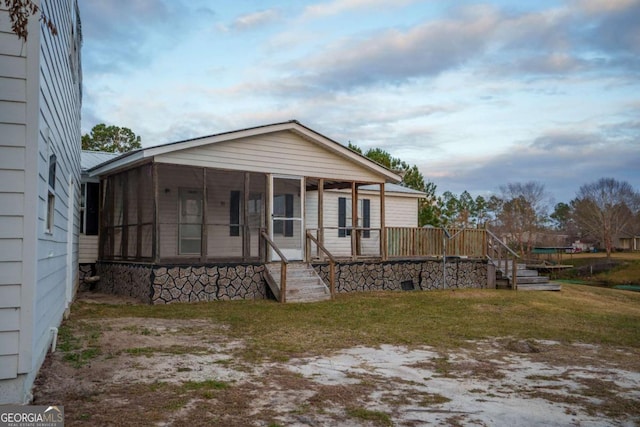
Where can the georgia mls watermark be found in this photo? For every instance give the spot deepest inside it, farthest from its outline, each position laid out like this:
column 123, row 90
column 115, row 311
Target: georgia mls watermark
column 31, row 416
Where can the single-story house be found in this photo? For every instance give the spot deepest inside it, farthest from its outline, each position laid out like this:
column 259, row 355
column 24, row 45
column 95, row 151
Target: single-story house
column 208, row 218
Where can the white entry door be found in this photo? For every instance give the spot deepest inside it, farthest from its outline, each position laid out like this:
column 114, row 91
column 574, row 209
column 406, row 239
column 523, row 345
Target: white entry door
column 287, row 217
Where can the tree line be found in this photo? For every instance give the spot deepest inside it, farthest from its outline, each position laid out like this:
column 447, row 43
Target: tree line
column 522, row 213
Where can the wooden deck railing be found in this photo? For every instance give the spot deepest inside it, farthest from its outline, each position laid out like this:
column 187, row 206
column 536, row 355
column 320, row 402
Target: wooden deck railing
column 332, row 261
column 283, row 267
column 424, row 242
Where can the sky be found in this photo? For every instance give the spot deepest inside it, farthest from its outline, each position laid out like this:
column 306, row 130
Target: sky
column 477, row 94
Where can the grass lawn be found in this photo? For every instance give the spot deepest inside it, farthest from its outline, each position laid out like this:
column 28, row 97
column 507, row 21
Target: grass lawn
column 442, row 319
column 623, row 268
column 464, row 357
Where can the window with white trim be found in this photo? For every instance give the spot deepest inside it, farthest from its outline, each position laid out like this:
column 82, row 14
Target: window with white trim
column 51, row 196
column 345, row 217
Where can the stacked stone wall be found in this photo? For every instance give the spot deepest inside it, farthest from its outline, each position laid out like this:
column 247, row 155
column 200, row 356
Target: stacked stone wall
column 394, row 275
column 167, row 284
column 208, row 283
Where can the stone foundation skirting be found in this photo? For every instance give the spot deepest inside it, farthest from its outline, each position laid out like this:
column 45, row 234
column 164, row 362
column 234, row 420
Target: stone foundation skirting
column 157, row 284
column 208, row 283
column 406, row 275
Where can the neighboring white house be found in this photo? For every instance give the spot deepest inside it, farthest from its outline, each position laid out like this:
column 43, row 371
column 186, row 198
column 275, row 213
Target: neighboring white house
column 40, row 101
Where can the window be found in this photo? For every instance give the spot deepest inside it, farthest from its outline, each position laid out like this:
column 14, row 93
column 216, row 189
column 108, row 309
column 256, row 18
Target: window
column 234, row 213
column 190, row 227
column 89, row 200
column 51, row 197
column 345, row 216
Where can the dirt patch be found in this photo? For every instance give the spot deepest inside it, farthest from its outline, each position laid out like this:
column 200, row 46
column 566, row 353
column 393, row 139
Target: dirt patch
column 164, row 372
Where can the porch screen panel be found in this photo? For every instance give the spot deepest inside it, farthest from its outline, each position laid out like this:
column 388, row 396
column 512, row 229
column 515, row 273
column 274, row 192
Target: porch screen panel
column 225, row 219
column 179, row 228
column 106, row 233
column 145, row 206
column 131, row 193
column 118, row 215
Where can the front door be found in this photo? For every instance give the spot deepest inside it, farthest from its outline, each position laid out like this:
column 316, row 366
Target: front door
column 287, row 218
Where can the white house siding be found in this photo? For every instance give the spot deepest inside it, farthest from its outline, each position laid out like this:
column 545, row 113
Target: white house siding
column 401, row 210
column 13, row 102
column 43, row 118
column 283, row 152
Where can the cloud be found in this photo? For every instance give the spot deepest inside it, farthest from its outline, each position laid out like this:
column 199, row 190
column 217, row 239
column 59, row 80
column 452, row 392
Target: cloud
column 336, row 7
column 255, row 19
column 395, row 56
column 122, row 34
column 560, row 159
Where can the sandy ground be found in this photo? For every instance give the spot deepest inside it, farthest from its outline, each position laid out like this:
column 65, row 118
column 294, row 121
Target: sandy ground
column 161, row 372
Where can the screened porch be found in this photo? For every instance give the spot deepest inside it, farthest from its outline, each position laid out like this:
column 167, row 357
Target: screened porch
column 176, row 214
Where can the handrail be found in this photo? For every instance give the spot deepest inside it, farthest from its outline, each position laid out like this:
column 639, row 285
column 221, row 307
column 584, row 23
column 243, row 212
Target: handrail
column 283, row 266
column 514, row 265
column 502, row 243
column 332, row 261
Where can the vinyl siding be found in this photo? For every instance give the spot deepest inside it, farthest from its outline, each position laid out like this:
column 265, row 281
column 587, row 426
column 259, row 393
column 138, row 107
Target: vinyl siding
column 39, row 116
column 283, row 152
column 88, row 249
column 59, row 133
column 13, row 77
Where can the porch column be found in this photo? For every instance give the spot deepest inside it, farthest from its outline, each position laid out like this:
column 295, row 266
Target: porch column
column 204, row 232
column 156, row 224
column 320, row 235
column 268, row 211
column 383, row 226
column 246, row 237
column 354, row 220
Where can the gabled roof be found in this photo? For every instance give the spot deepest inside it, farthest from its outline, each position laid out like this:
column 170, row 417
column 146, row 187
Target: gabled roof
column 139, row 155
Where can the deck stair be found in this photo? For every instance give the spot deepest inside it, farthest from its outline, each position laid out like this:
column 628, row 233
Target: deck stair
column 526, row 279
column 303, row 283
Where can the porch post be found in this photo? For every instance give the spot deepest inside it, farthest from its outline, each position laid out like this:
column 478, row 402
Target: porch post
column 268, row 211
column 354, row 220
column 204, row 232
column 139, row 212
column 246, row 236
column 383, row 225
column 156, row 224
column 102, row 230
column 320, row 215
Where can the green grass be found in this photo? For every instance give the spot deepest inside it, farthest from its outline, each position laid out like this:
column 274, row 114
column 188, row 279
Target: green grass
column 443, row 319
column 377, row 417
column 623, row 268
